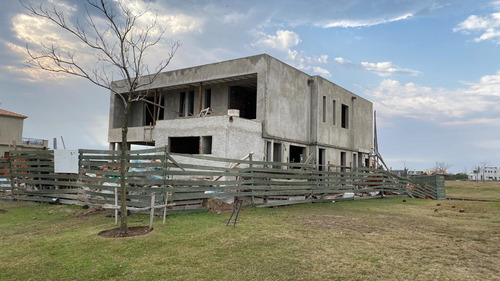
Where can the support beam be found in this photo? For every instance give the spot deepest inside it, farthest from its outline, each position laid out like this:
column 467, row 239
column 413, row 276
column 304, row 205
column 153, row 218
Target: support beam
column 200, row 87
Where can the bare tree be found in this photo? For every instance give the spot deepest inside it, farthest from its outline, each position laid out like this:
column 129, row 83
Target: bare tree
column 119, row 41
column 405, row 169
column 482, row 168
column 441, row 167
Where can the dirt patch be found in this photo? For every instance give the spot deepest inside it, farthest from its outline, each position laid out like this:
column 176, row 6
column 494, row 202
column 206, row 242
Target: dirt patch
column 217, row 206
column 131, row 232
column 3, row 211
column 89, row 212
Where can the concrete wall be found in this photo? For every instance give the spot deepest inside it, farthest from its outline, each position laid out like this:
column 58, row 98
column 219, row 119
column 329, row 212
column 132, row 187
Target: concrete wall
column 288, row 103
column 358, row 135
column 11, row 129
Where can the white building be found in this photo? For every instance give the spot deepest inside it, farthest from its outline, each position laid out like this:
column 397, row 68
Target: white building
column 485, row 173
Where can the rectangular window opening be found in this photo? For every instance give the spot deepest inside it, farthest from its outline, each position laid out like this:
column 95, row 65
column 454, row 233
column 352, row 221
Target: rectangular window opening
column 321, row 159
column 334, row 112
column 182, row 103
column 324, row 109
column 345, row 116
column 206, row 145
column 191, row 103
column 343, row 161
column 208, row 99
column 297, row 154
column 190, row 145
column 277, row 154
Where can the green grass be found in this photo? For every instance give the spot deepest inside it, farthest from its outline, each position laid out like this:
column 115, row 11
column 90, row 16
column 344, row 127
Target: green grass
column 489, row 190
column 357, row 240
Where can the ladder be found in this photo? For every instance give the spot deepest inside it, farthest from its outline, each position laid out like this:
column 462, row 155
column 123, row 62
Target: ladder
column 236, row 209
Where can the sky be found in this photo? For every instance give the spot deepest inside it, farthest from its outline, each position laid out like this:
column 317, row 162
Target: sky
column 430, row 67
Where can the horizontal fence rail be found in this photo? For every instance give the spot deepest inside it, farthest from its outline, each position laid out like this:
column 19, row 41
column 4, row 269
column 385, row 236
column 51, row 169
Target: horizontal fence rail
column 184, row 183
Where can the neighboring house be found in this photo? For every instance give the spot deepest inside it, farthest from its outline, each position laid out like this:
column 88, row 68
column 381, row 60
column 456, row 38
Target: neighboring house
column 414, row 173
column 485, row 174
column 255, row 104
column 11, row 133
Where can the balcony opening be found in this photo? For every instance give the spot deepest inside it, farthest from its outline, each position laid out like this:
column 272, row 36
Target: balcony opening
column 244, row 98
column 154, row 109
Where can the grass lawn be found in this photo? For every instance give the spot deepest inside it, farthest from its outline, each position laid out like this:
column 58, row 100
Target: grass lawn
column 489, row 190
column 383, row 239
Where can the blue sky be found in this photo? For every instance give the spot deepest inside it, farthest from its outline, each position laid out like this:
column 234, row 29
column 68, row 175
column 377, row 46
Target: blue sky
column 431, row 68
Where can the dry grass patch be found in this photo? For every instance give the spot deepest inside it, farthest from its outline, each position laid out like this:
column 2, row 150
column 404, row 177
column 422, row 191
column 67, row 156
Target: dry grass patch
column 486, row 190
column 358, row 240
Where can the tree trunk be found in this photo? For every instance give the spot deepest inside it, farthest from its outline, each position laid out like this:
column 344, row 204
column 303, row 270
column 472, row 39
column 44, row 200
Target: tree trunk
column 123, row 161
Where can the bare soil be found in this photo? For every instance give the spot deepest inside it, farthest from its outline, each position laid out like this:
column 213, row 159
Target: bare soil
column 217, row 206
column 131, row 232
column 3, row 211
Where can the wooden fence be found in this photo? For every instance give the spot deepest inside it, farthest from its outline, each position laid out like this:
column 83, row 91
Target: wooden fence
column 192, row 179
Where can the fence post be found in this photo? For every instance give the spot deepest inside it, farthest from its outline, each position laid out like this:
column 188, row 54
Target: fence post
column 12, row 184
column 251, row 176
column 165, row 166
column 165, row 208
column 116, row 204
column 151, row 216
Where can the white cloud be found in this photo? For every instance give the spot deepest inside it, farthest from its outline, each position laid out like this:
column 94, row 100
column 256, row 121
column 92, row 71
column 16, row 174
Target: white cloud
column 449, row 107
column 386, row 68
column 343, row 61
column 306, row 63
column 321, row 71
column 383, row 69
column 364, row 23
column 488, row 26
column 283, row 40
column 35, row 30
column 474, row 121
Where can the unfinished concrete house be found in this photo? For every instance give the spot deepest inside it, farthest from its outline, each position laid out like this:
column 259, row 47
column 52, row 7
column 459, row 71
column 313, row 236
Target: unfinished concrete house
column 255, row 104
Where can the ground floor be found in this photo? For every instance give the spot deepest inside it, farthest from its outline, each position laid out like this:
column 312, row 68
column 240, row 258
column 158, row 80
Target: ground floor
column 232, row 137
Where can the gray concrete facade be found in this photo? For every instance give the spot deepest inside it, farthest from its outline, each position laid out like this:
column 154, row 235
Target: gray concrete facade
column 285, row 115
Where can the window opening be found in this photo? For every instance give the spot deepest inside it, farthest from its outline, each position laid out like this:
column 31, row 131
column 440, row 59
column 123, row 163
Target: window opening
column 297, row 154
column 277, row 154
column 321, row 160
column 345, row 116
column 334, row 112
column 182, row 103
column 190, row 103
column 324, row 109
column 190, row 145
column 208, row 99
column 206, row 145
column 343, row 161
